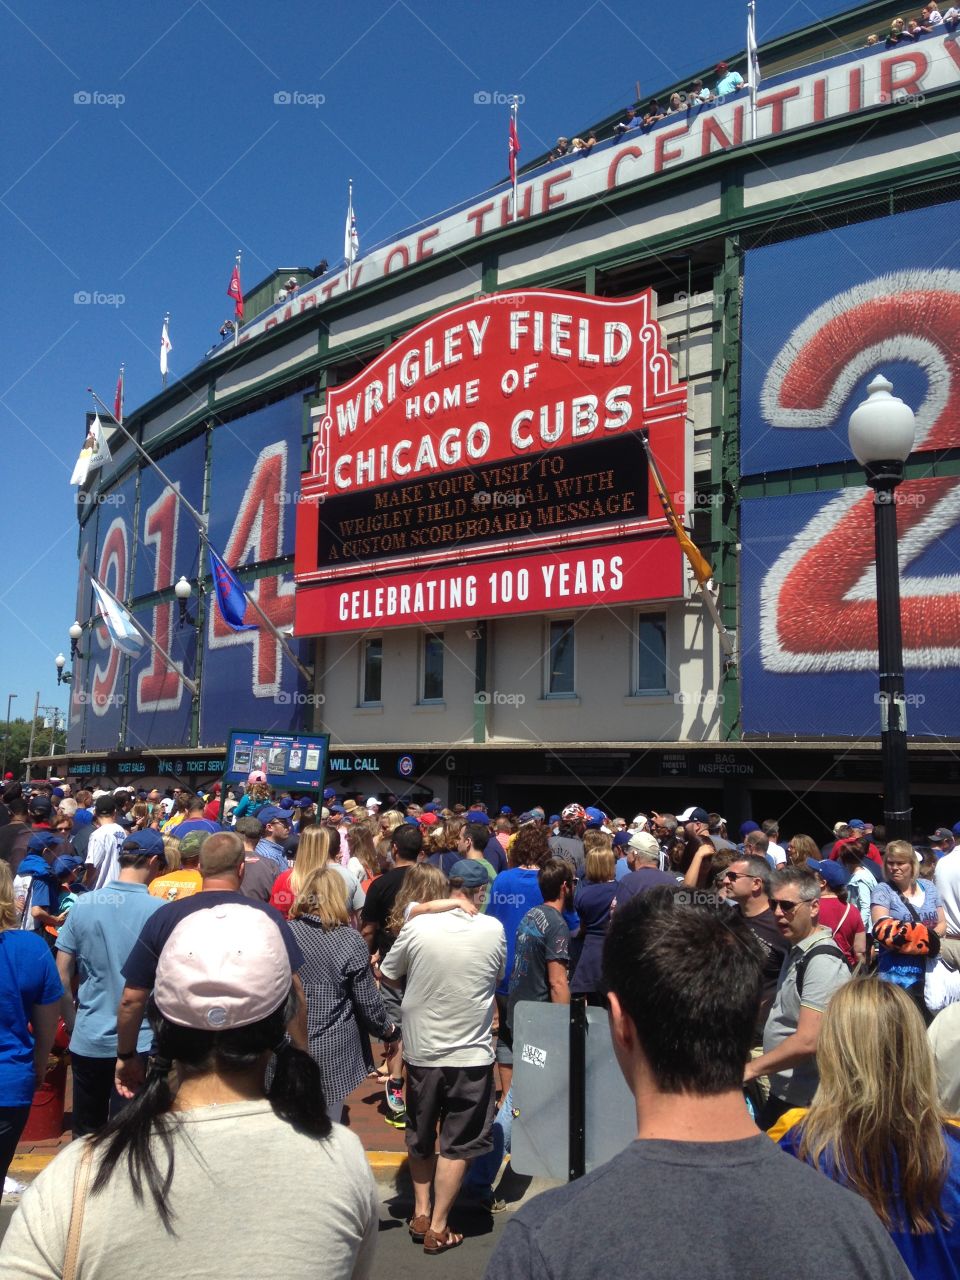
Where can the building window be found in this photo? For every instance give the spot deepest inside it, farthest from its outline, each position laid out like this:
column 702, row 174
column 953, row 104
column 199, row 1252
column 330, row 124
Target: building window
column 371, row 672
column 651, row 653
column 560, row 654
column 431, row 689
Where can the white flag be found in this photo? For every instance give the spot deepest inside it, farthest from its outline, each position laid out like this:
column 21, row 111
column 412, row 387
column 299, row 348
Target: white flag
column 753, row 57
column 95, row 453
column 165, row 346
column 351, row 241
column 120, row 626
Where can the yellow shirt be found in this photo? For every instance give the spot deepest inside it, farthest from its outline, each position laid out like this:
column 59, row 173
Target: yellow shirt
column 175, row 885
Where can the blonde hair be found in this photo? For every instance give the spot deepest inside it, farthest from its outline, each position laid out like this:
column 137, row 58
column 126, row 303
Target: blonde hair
column 601, row 866
column 363, row 846
column 901, row 850
column 423, row 883
column 8, row 910
column 596, row 840
column 800, row 848
column 313, row 853
column 171, row 854
column 323, row 896
column 876, row 1116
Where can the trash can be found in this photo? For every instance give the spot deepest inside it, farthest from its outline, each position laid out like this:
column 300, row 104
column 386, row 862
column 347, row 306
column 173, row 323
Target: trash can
column 45, row 1120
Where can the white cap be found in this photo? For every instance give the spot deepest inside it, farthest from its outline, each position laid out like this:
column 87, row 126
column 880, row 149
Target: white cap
column 374, row 803
column 223, row 966
column 644, row 842
column 640, row 822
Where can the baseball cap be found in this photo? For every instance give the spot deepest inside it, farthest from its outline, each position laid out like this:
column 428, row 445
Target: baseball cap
column 373, row 803
column 256, row 776
column 747, row 827
column 526, row 818
column 41, row 841
column 58, row 792
column 835, row 874
column 222, row 967
column 329, row 793
column 148, row 843
column 574, row 813
column 273, row 813
column 65, row 863
column 505, row 811
column 40, row 807
column 471, row 872
column 427, row 819
column 305, row 802
column 477, row 815
column 721, row 66
column 192, row 843
column 857, row 823
column 640, row 822
column 593, row 816
column 693, row 814
column 106, row 803
column 941, row 834
column 538, row 812
column 621, row 838
column 286, row 803
column 644, row 842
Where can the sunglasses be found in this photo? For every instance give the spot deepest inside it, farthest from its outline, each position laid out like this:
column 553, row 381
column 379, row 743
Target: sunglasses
column 785, row 905
column 738, row 875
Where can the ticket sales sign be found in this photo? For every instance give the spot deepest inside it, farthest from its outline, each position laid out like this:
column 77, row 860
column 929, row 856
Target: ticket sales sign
column 490, row 462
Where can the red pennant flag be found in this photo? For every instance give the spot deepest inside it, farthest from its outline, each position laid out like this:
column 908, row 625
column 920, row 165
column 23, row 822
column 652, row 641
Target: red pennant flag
column 118, row 399
column 234, row 291
column 513, row 148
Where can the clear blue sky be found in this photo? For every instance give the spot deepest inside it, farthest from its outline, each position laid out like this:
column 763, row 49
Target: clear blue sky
column 150, row 197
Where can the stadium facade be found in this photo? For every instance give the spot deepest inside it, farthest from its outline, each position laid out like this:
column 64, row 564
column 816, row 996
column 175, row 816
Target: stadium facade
column 431, row 474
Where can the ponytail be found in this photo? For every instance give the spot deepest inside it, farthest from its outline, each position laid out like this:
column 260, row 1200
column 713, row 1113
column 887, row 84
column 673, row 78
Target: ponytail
column 296, row 1091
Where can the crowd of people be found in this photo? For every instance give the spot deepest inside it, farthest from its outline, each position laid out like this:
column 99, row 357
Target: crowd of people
column 229, row 967
column 908, row 31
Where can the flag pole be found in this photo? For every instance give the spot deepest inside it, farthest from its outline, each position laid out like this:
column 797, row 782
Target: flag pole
column 349, row 244
column 236, row 318
column 119, row 405
column 163, row 341
column 515, row 107
column 726, row 640
column 198, row 519
column 753, row 65
column 184, row 679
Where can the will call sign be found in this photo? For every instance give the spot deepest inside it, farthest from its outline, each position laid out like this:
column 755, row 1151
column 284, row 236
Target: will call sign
column 504, row 429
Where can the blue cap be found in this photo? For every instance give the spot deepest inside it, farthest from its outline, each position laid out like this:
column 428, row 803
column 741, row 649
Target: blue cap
column 505, row 810
column 286, row 803
column 595, row 817
column 858, row 824
column 471, row 872
column 41, row 841
column 956, row 829
column 305, row 802
column 621, row 838
column 329, row 793
column 82, row 818
column 58, row 792
column 747, row 827
column 148, row 843
column 65, row 863
column 413, row 821
column 477, row 815
column 554, row 817
column 337, row 808
column 835, row 874
column 272, row 812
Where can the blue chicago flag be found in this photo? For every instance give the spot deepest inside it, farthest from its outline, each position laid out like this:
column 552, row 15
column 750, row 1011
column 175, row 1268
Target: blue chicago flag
column 230, row 596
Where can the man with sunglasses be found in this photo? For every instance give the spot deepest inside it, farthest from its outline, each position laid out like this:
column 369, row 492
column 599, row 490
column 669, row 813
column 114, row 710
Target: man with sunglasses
column 812, row 972
column 747, row 882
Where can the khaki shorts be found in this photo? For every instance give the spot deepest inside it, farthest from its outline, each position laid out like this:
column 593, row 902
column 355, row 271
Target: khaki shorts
column 461, row 1100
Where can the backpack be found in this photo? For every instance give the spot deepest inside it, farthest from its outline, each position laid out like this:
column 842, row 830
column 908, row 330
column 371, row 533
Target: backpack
column 818, row 949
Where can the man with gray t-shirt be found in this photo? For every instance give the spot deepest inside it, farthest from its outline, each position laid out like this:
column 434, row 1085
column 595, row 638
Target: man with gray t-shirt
column 684, row 986
column 452, row 962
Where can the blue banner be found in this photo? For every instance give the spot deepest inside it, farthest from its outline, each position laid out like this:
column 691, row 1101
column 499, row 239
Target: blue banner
column 808, row 662
column 823, row 314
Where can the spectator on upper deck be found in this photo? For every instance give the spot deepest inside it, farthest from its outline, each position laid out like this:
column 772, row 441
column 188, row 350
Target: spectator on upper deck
column 698, row 92
column 952, row 17
column 628, row 122
column 678, row 102
column 561, row 149
column 653, row 113
column 898, row 34
column 931, row 16
column 873, row 39
column 727, row 81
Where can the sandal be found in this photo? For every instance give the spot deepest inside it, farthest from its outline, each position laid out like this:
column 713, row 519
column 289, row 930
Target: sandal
column 418, row 1227
column 433, row 1243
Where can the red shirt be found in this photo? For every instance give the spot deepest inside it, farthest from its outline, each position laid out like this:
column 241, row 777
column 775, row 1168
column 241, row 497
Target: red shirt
column 844, row 922
column 873, row 853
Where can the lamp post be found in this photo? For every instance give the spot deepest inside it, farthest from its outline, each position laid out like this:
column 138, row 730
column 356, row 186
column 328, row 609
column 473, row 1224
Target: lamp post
column 882, row 431
column 75, row 633
column 63, row 677
column 6, row 734
column 183, row 591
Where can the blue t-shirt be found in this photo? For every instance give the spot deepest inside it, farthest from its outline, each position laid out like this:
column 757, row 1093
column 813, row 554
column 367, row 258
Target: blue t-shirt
column 28, row 976
column 905, row 971
column 194, row 824
column 511, row 896
column 929, row 1257
column 99, row 933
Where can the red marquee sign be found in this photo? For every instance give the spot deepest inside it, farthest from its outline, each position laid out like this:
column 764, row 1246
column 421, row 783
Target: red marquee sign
column 489, row 455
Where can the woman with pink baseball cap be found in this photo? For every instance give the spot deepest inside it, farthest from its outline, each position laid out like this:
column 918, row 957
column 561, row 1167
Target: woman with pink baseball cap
column 181, row 1172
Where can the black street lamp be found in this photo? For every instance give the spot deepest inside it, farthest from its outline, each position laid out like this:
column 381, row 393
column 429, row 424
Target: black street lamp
column 882, row 431
column 183, row 592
